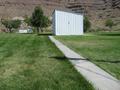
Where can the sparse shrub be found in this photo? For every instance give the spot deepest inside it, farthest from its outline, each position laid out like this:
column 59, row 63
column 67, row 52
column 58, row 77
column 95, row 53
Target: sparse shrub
column 27, row 20
column 16, row 24
column 10, row 24
column 87, row 24
column 109, row 23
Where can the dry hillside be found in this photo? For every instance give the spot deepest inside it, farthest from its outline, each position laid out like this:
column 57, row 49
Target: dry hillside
column 97, row 10
column 13, row 8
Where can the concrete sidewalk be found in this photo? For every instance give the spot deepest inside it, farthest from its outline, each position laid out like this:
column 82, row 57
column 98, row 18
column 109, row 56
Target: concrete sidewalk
column 100, row 79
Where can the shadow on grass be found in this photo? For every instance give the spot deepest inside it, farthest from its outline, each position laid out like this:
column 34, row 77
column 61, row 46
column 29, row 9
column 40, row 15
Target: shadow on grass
column 61, row 58
column 104, row 61
column 64, row 58
column 107, row 61
column 110, row 34
column 45, row 34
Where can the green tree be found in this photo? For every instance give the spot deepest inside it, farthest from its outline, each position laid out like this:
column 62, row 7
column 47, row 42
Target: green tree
column 45, row 23
column 37, row 18
column 28, row 20
column 87, row 24
column 7, row 24
column 16, row 24
column 10, row 24
column 109, row 23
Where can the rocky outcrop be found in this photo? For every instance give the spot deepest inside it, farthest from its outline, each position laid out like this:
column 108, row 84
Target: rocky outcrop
column 97, row 10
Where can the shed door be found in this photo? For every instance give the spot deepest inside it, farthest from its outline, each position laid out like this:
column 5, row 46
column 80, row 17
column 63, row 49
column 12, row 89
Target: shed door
column 68, row 25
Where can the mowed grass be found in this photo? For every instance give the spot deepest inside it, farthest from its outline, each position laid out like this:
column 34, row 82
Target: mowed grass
column 31, row 62
column 103, row 49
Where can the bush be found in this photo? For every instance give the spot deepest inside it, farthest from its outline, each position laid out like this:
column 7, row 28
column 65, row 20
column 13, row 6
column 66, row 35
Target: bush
column 7, row 24
column 10, row 24
column 87, row 24
column 16, row 24
column 27, row 20
column 109, row 23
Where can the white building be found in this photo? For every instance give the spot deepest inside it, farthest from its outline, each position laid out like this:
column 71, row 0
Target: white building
column 67, row 23
column 18, row 18
column 25, row 31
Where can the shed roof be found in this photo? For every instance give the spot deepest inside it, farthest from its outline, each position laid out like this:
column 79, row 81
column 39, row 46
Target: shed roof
column 68, row 11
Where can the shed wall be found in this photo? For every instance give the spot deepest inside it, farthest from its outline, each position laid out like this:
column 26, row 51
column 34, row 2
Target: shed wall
column 65, row 23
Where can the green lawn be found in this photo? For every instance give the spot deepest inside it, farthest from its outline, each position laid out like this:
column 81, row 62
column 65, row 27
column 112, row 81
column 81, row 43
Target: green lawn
column 103, row 49
column 31, row 62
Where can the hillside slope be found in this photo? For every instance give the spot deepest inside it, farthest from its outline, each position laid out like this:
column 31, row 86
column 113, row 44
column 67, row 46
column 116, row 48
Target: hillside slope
column 13, row 8
column 97, row 10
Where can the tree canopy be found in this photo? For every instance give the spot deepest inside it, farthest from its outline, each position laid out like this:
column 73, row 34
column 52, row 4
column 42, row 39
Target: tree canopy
column 38, row 19
column 10, row 24
column 109, row 23
column 27, row 20
column 87, row 24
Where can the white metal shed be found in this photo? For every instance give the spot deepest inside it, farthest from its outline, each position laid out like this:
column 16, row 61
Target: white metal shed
column 67, row 23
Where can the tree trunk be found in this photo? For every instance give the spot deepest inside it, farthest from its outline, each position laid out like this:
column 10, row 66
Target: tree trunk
column 41, row 30
column 7, row 30
column 10, row 30
column 110, row 29
column 37, row 30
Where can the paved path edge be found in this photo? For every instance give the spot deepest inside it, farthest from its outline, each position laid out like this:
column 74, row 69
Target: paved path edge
column 99, row 78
